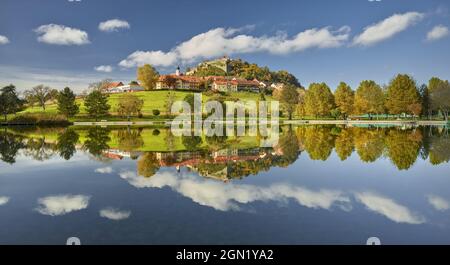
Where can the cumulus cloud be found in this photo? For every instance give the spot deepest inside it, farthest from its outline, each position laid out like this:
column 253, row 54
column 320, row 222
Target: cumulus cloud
column 104, row 68
column 229, row 197
column 113, row 25
column 438, row 32
column 62, row 204
column 61, row 35
column 3, row 40
column 4, row 200
column 114, row 214
column 388, row 208
column 220, row 41
column 438, row 203
column 387, row 28
column 104, row 170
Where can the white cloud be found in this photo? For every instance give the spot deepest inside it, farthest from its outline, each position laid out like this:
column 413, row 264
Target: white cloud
column 438, row 203
column 113, row 25
column 104, row 170
column 61, row 35
column 229, row 197
column 3, row 40
column 388, row 208
column 437, row 33
column 104, row 68
column 219, row 41
column 114, row 214
column 387, row 28
column 62, row 204
column 4, row 200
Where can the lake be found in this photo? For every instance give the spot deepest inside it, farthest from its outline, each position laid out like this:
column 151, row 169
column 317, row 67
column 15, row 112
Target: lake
column 316, row 185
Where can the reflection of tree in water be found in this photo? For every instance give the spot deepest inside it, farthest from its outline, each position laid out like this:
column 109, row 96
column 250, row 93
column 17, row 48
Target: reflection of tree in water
column 147, row 165
column 38, row 149
column 403, row 147
column 169, row 139
column 10, row 145
column 192, row 143
column 288, row 147
column 369, row 143
column 130, row 139
column 216, row 142
column 344, row 144
column 319, row 142
column 440, row 147
column 97, row 140
column 66, row 145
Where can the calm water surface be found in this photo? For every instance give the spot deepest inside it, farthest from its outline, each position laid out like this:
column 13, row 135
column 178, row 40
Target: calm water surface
column 317, row 185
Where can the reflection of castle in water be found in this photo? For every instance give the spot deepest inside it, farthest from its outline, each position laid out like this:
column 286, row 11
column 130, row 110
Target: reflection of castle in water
column 215, row 164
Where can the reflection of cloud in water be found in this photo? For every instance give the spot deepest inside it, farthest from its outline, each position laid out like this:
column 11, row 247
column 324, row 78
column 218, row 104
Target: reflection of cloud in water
column 226, row 197
column 62, row 204
column 389, row 208
column 114, row 214
column 104, row 170
column 438, row 203
column 4, row 200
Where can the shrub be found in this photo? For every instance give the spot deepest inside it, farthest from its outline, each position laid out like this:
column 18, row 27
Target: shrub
column 39, row 119
column 156, row 112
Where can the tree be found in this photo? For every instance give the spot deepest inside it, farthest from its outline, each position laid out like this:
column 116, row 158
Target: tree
column 286, row 78
column 289, row 98
column 96, row 104
column 10, row 102
column 369, row 98
column 66, row 143
column 148, row 76
column 100, row 85
column 129, row 104
column 344, row 98
column 66, row 103
column 41, row 94
column 403, row 96
column 319, row 101
column 440, row 98
column 301, row 102
column 129, row 139
column 426, row 100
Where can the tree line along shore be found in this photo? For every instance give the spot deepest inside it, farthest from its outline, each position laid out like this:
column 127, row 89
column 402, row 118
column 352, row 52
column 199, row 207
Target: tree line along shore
column 402, row 98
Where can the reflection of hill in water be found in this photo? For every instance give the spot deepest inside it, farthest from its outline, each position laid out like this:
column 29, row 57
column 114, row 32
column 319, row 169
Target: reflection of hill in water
column 225, row 158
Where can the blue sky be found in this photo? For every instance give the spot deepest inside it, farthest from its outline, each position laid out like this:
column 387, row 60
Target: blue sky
column 63, row 43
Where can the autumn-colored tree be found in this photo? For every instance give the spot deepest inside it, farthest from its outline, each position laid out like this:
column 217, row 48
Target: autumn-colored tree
column 403, row 96
column 148, row 76
column 344, row 97
column 129, row 104
column 319, row 101
column 369, row 98
column 301, row 102
column 289, row 99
